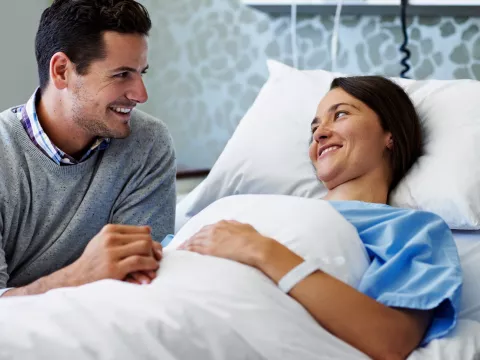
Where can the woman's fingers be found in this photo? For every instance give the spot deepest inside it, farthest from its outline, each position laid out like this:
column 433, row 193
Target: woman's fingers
column 197, row 248
column 196, row 241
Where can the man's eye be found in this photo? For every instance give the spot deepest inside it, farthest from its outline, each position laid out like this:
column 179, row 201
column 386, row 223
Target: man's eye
column 314, row 129
column 122, row 75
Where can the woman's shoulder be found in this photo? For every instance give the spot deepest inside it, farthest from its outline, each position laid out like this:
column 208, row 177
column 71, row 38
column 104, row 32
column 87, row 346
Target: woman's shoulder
column 362, row 206
column 364, row 213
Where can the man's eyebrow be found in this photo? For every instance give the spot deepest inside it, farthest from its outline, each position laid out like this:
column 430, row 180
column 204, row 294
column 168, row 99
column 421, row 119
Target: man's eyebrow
column 129, row 69
column 332, row 108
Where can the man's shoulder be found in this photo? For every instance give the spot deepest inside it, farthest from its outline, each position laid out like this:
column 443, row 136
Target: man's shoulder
column 148, row 134
column 10, row 113
column 10, row 126
column 143, row 124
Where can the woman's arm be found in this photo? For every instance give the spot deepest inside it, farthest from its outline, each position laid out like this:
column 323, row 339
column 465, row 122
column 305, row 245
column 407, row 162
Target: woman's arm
column 375, row 329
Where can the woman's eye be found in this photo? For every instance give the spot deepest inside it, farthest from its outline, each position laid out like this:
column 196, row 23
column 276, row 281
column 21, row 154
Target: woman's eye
column 122, row 75
column 339, row 114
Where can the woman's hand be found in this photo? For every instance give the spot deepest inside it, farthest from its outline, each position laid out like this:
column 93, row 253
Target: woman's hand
column 230, row 240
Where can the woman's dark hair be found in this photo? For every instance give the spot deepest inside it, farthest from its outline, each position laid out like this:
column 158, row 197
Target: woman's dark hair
column 76, row 27
column 397, row 115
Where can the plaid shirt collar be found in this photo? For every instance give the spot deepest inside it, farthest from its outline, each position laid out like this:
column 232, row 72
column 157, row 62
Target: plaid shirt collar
column 28, row 117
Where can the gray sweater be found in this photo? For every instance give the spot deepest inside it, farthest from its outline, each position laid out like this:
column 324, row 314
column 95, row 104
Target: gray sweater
column 48, row 213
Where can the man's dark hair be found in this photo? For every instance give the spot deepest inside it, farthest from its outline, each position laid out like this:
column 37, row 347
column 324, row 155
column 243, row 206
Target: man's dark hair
column 76, row 28
column 397, row 115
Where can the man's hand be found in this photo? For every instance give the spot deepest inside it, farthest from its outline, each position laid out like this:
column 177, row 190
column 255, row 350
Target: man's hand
column 117, row 251
column 142, row 277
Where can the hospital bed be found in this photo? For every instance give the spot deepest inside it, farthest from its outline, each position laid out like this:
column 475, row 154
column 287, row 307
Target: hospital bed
column 208, row 308
column 203, row 309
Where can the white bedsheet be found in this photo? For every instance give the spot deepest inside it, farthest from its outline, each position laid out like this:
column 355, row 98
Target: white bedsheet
column 464, row 342
column 174, row 318
column 242, row 315
column 468, row 244
column 167, row 320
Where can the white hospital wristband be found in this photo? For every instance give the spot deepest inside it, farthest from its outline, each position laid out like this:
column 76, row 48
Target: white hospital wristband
column 297, row 274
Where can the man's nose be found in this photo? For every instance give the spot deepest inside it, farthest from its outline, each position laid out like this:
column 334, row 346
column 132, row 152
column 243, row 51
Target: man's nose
column 138, row 92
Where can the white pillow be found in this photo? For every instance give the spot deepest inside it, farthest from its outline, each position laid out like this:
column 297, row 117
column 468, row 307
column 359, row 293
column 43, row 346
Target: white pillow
column 268, row 152
column 292, row 221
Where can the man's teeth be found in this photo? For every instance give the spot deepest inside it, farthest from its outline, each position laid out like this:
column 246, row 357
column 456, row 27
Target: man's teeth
column 122, row 110
column 330, row 149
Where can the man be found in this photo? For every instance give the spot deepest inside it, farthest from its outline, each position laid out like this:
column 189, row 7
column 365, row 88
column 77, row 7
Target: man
column 87, row 183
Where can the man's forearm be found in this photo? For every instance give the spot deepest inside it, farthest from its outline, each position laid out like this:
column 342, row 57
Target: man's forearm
column 59, row 279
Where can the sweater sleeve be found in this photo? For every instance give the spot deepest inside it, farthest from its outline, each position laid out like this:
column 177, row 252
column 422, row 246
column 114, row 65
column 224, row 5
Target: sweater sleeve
column 150, row 199
column 3, row 262
column 3, row 266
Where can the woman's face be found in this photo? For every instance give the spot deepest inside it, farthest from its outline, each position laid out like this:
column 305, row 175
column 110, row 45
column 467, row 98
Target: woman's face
column 348, row 140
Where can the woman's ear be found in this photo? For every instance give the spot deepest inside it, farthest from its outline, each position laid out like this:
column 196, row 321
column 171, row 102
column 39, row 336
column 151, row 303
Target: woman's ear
column 389, row 142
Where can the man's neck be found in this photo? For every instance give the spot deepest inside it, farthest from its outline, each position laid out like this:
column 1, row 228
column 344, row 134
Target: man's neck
column 60, row 128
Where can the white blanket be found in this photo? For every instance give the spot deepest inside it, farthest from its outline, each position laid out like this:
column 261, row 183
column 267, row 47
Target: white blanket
column 199, row 307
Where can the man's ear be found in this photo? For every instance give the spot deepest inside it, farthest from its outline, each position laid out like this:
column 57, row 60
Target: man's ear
column 60, row 70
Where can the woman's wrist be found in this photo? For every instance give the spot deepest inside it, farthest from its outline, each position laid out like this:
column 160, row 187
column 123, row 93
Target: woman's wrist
column 262, row 247
column 274, row 259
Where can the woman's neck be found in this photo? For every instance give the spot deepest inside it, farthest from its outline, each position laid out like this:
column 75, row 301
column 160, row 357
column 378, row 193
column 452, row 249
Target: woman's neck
column 369, row 188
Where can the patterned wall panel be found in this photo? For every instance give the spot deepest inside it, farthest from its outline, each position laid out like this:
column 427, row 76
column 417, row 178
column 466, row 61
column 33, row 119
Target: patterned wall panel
column 208, row 61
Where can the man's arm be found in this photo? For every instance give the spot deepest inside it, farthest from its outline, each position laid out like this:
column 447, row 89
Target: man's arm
column 61, row 278
column 114, row 253
column 3, row 266
column 150, row 198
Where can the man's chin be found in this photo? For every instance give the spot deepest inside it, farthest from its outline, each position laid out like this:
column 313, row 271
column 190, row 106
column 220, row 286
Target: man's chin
column 119, row 131
column 119, row 128
column 121, row 134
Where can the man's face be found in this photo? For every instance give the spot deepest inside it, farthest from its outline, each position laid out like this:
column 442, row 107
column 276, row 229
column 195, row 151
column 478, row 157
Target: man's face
column 101, row 101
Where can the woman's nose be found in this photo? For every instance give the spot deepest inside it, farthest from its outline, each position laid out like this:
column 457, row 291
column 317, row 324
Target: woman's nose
column 322, row 133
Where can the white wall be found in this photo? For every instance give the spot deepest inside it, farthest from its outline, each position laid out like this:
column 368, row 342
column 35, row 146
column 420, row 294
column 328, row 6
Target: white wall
column 18, row 68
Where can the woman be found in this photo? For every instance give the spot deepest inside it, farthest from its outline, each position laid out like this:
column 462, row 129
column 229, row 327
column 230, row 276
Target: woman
column 365, row 137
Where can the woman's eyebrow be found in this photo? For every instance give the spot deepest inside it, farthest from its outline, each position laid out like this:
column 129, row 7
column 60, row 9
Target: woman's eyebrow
column 332, row 109
column 336, row 106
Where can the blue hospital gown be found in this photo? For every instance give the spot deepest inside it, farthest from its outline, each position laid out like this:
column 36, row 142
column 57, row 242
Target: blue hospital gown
column 414, row 261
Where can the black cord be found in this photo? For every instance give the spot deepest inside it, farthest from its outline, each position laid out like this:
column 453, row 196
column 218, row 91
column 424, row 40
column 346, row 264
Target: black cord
column 403, row 48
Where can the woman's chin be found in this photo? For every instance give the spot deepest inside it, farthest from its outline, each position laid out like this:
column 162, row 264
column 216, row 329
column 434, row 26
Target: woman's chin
column 328, row 181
